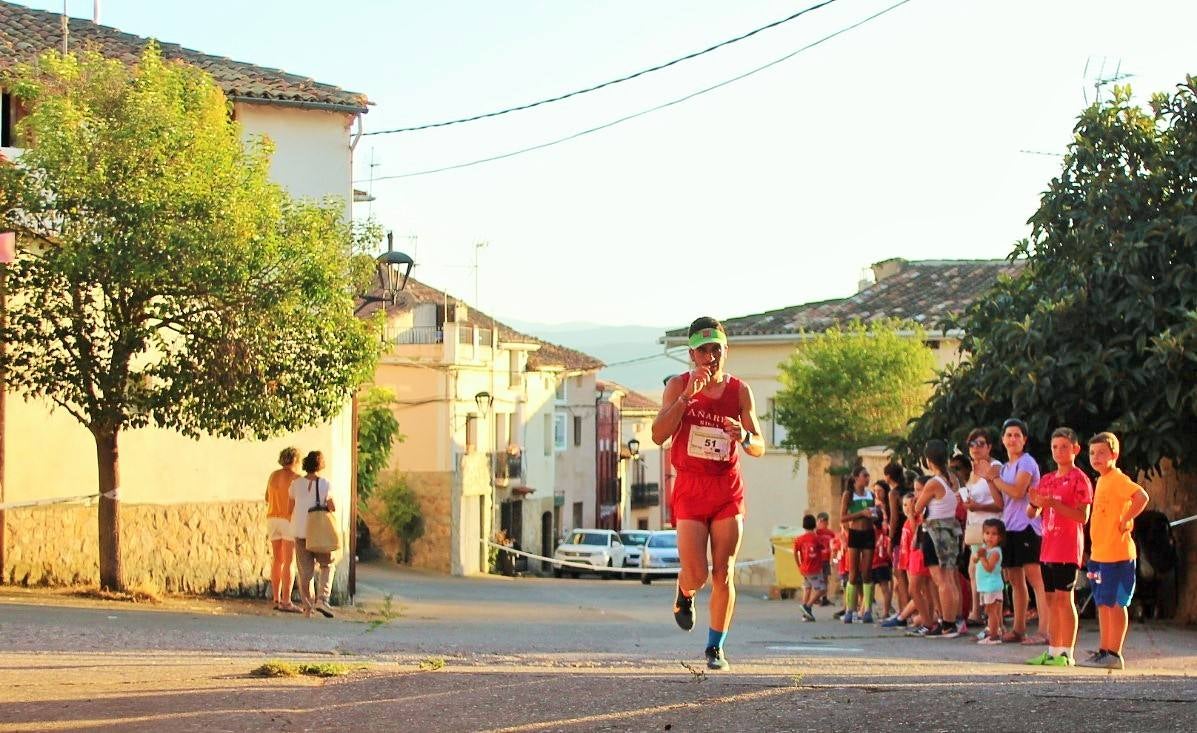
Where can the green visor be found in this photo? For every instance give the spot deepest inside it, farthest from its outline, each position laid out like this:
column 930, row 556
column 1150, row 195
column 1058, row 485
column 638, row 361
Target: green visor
column 708, row 336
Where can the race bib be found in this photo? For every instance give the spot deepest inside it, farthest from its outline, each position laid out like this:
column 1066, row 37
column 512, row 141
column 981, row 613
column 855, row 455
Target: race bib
column 709, row 443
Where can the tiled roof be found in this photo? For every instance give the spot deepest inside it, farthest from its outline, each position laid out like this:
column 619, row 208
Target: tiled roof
column 632, row 400
column 26, row 33
column 924, row 291
column 548, row 356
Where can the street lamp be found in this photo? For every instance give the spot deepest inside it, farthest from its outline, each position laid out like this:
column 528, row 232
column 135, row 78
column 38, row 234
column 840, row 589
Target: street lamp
column 634, row 448
column 484, row 400
column 396, row 268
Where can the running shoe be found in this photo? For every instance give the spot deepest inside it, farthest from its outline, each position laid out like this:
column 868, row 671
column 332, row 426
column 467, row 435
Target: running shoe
column 920, row 631
column 807, row 614
column 1040, row 659
column 324, row 610
column 716, row 660
column 935, row 632
column 1101, row 660
column 893, row 623
column 949, row 631
column 866, row 618
column 683, row 610
column 839, row 614
column 961, row 627
column 990, row 640
column 848, row 617
column 1060, row 660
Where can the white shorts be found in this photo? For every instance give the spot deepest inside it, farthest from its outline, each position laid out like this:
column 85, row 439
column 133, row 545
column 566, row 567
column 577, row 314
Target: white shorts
column 279, row 529
column 988, row 597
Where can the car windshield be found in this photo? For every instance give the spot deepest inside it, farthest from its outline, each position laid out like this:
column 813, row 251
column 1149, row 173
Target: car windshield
column 633, row 538
column 663, row 540
column 588, row 538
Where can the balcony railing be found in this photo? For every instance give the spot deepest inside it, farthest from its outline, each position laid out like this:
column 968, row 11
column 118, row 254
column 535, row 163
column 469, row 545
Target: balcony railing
column 419, row 335
column 507, row 466
column 645, row 495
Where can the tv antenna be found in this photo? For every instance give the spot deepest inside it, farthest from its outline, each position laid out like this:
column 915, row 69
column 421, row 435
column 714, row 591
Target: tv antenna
column 1103, row 75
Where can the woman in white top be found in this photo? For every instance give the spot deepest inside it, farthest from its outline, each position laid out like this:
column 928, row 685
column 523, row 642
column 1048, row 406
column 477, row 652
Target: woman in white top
column 980, row 504
column 939, row 498
column 307, row 491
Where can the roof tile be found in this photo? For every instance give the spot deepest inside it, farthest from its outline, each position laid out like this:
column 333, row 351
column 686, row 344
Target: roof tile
column 548, row 356
column 924, row 291
column 25, row 33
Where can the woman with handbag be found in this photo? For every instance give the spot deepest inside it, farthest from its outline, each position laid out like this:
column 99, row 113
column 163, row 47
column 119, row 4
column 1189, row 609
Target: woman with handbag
column 311, row 515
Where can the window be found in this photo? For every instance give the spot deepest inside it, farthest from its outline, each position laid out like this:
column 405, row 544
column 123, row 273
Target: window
column 777, row 431
column 641, row 524
column 559, row 432
column 577, row 514
column 561, row 395
column 577, row 430
column 471, row 433
column 548, row 435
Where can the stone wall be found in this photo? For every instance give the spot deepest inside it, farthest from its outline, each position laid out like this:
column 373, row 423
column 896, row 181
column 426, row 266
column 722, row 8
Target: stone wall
column 176, row 548
column 432, row 551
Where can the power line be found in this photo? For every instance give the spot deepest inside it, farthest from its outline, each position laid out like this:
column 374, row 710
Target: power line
column 659, row 107
column 605, row 84
column 650, row 357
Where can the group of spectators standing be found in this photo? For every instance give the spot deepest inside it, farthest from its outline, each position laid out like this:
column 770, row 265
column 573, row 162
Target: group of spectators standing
column 973, row 536
column 289, row 497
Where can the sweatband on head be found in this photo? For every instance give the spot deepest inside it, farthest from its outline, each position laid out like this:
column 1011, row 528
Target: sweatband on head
column 708, row 336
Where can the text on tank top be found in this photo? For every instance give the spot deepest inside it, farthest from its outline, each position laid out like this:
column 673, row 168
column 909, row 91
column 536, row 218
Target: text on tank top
column 861, row 502
column 701, row 444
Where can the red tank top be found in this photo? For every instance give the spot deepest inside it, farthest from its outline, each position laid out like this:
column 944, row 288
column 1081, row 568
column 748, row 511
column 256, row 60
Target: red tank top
column 700, row 445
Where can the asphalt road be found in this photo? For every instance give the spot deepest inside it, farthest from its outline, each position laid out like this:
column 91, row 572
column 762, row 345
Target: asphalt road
column 544, row 654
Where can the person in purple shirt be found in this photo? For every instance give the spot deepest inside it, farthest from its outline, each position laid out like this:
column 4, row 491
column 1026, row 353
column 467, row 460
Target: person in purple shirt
column 1010, row 486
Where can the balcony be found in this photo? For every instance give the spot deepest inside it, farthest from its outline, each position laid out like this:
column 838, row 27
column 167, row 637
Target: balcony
column 418, row 335
column 645, row 495
column 507, row 467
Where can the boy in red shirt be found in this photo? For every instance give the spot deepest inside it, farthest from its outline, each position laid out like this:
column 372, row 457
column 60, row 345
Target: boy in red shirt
column 1063, row 496
column 811, row 554
column 828, row 538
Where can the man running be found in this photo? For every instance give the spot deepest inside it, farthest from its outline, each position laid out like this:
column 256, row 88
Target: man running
column 706, row 412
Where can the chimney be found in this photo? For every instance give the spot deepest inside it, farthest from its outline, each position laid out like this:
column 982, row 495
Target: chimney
column 887, row 268
column 95, row 12
column 865, row 279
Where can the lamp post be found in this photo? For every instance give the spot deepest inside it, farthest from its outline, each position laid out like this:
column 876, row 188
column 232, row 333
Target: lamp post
column 393, row 273
column 393, row 269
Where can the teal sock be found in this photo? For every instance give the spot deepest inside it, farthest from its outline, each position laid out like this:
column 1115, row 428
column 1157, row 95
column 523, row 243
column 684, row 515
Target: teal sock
column 715, row 638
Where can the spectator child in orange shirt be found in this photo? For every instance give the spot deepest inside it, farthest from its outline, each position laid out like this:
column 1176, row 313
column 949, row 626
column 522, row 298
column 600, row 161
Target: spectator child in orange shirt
column 1116, row 502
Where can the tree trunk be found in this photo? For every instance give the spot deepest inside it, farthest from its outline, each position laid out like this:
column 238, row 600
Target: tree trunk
column 108, row 462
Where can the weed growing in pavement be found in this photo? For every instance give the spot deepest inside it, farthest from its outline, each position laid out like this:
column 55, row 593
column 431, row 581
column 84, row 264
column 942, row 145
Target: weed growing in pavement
column 384, row 616
column 276, row 668
column 698, row 675
column 796, row 679
column 431, row 664
column 143, row 592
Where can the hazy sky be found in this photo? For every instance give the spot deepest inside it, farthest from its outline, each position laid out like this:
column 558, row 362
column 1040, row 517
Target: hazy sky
column 901, row 138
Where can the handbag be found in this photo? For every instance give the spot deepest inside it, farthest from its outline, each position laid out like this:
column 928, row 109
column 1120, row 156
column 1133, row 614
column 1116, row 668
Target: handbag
column 322, row 532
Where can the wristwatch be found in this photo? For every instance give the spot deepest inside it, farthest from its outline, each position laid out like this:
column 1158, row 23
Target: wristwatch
column 747, row 441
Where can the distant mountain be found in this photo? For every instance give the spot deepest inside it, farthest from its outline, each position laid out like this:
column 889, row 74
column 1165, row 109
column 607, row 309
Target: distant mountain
column 638, row 359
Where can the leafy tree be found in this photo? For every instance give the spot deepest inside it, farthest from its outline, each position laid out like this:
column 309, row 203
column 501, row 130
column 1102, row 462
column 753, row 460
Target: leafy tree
column 1099, row 331
column 162, row 278
column 377, row 431
column 853, row 385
